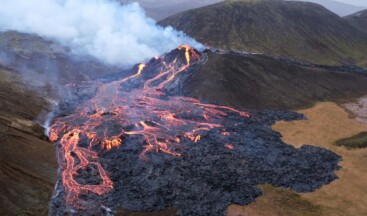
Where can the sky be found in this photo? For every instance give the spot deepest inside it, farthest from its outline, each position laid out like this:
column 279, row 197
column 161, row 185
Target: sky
column 355, row 2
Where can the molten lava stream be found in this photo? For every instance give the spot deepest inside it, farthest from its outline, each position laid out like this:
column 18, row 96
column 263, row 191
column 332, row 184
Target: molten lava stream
column 145, row 110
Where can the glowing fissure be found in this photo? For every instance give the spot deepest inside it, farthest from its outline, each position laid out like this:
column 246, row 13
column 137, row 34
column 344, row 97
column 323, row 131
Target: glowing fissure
column 104, row 122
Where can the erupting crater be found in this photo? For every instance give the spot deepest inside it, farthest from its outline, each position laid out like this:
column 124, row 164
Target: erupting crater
column 140, row 144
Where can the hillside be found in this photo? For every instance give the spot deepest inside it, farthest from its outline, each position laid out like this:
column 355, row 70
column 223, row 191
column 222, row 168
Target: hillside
column 163, row 9
column 258, row 82
column 50, row 62
column 27, row 161
column 159, row 10
column 358, row 19
column 33, row 72
column 340, row 8
column 297, row 30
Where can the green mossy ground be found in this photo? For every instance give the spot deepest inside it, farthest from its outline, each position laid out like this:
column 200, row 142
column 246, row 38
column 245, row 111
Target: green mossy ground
column 354, row 142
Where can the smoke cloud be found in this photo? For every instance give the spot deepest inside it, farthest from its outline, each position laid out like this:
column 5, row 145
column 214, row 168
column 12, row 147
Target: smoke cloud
column 114, row 33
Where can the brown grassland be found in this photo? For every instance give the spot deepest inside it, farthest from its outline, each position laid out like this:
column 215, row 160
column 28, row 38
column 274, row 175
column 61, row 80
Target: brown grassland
column 326, row 123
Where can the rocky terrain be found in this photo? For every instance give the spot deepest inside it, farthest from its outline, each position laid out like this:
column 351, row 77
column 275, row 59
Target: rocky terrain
column 162, row 150
column 297, row 30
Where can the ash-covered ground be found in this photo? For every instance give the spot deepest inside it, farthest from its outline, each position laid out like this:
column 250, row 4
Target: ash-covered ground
column 223, row 167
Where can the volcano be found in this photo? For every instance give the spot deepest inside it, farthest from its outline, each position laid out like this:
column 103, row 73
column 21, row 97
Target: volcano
column 292, row 29
column 141, row 144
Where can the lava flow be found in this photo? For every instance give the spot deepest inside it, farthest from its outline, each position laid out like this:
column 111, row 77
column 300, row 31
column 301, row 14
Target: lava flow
column 134, row 106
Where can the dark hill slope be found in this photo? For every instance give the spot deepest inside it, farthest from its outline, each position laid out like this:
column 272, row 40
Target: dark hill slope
column 298, row 30
column 256, row 81
column 47, row 60
column 358, row 19
column 27, row 161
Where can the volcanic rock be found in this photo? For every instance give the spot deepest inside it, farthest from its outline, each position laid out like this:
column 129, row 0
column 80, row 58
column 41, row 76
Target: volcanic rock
column 174, row 151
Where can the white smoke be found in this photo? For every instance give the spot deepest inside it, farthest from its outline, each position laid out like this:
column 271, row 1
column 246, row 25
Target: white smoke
column 114, row 33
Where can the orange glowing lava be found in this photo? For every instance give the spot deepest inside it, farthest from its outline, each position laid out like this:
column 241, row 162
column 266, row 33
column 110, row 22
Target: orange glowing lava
column 229, row 146
column 103, row 123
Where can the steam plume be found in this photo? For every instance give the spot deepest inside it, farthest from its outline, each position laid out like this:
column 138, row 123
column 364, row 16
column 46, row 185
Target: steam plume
column 114, row 33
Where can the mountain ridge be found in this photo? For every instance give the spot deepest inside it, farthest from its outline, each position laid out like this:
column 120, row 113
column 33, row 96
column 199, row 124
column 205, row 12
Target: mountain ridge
column 340, row 8
column 358, row 19
column 164, row 9
column 298, row 30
